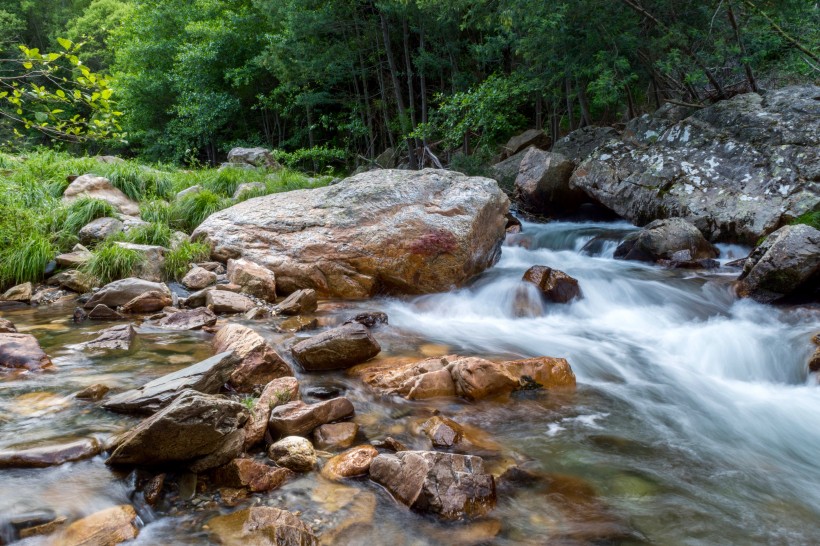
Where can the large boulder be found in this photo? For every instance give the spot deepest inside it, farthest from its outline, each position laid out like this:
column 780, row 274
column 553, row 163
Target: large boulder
column 787, row 263
column 262, row 526
column 579, row 144
column 259, row 362
column 674, row 240
column 22, row 351
column 542, row 184
column 449, row 485
column 505, row 172
column 151, row 267
column 336, row 349
column 207, row 377
column 122, row 291
column 99, row 187
column 299, row 419
column 737, row 169
column 257, row 157
column 381, row 231
column 531, row 137
column 98, row 230
column 198, row 430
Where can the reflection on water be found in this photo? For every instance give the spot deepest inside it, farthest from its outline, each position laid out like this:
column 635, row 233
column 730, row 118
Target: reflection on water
column 693, row 422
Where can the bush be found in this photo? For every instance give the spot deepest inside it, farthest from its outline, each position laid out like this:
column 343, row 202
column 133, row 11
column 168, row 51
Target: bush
column 318, row 159
column 153, row 233
column 178, row 260
column 225, row 181
column 190, row 211
column 156, row 210
column 109, row 262
column 85, row 209
column 26, row 260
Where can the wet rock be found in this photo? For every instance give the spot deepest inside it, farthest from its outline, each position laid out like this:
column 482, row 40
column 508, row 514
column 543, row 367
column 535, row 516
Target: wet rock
column 73, row 280
column 277, row 392
column 103, row 312
column 249, row 189
column 198, row 278
column 814, row 361
column 513, row 225
column 148, row 302
column 301, row 301
column 206, row 377
column 215, row 267
column 259, row 313
column 260, row 363
column 336, row 349
column 556, row 286
column 121, row 292
column 293, row 452
column 786, row 264
column 223, row 302
column 22, row 351
column 43, row 528
column 390, row 443
column 194, row 430
column 46, row 296
column 443, row 432
column 506, row 171
column 21, row 293
column 119, row 338
column 99, row 230
column 188, row 319
column 98, row 187
column 105, row 528
column 50, row 455
column 256, row 157
column 363, row 236
column 93, row 392
column 262, row 526
column 353, row 462
column 251, row 474
column 300, row 419
column 335, row 435
column 197, row 299
column 671, row 239
column 77, row 257
column 153, row 489
column 448, row 485
column 254, row 279
column 324, row 392
column 7, row 327
column 369, row 319
column 536, row 138
column 542, row 184
column 298, row 324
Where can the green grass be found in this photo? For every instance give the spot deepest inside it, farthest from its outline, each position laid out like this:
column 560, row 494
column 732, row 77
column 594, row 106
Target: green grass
column 137, row 181
column 178, row 260
column 110, row 262
column 190, row 211
column 156, row 210
column 26, row 259
column 153, row 233
column 85, row 209
column 810, row 219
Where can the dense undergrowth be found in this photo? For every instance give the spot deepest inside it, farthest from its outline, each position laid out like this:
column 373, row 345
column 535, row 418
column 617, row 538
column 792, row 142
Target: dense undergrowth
column 36, row 225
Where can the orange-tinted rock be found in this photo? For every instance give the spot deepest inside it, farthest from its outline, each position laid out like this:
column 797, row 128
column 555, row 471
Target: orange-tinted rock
column 251, row 474
column 153, row 489
column 94, row 392
column 148, row 302
column 555, row 285
column 300, row 419
column 262, row 526
column 105, row 528
column 260, row 364
column 22, row 351
column 351, row 463
column 335, row 435
column 254, row 279
column 277, row 392
column 443, row 432
column 98, row 187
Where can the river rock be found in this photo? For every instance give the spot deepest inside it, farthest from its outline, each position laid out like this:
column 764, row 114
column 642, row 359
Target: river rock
column 22, row 351
column 371, row 319
column 535, row 138
column 122, row 291
column 301, row 301
column 737, row 169
column 470, row 377
column 148, row 302
column 223, row 302
column 202, row 431
column 99, row 230
column 555, row 285
column 105, row 528
column 206, row 377
column 260, row 363
column 443, row 432
column 298, row 324
column 254, row 279
column 51, row 455
column 7, row 327
column 151, row 268
column 673, row 239
column 188, row 319
column 293, row 452
column 335, row 435
column 506, row 171
column 262, row 526
column 73, row 280
column 353, row 462
column 197, row 299
column 103, row 312
column 119, row 338
column 381, row 231
column 251, row 474
column 198, row 278
column 77, row 257
column 299, row 419
column 448, row 485
column 542, row 184
column 277, row 392
column 787, row 263
column 21, row 293
column 46, row 296
column 336, row 349
column 93, row 392
column 257, row 157
column 98, row 187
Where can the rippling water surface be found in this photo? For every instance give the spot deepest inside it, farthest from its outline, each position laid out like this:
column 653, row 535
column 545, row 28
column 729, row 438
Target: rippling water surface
column 694, row 421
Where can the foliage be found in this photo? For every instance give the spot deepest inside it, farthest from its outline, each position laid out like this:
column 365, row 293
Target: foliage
column 316, row 159
column 191, row 210
column 137, row 181
column 178, row 259
column 152, row 233
column 810, row 219
column 110, row 262
column 25, row 260
column 156, row 210
column 85, row 209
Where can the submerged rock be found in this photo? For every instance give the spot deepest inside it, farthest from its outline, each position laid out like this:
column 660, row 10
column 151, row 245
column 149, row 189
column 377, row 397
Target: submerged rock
column 448, row 485
column 380, row 231
column 673, row 239
column 118, row 338
column 105, row 528
column 371, row 319
column 353, row 462
column 336, row 349
column 93, row 392
column 260, row 363
column 293, row 452
column 262, row 526
column 188, row 319
column 554, row 285
column 22, row 351
column 50, row 455
column 299, row 419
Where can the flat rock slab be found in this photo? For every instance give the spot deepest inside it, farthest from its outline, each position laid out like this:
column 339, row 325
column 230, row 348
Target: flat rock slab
column 122, row 291
column 22, row 351
column 336, row 349
column 107, row 527
column 223, row 302
column 299, row 419
column 116, row 338
column 188, row 319
column 382, row 231
column 41, row 457
column 262, row 526
column 448, row 485
column 206, row 377
column 301, row 301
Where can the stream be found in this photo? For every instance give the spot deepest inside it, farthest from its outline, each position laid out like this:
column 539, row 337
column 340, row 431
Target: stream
column 691, row 424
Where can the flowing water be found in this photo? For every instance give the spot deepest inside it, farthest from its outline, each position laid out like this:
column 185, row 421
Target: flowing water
column 694, row 421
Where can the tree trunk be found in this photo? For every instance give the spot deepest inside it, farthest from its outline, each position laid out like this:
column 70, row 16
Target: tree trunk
column 414, row 159
column 394, row 77
column 568, row 95
column 586, row 117
column 746, row 66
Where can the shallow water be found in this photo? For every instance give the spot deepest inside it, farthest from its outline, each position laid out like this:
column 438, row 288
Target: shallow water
column 693, row 422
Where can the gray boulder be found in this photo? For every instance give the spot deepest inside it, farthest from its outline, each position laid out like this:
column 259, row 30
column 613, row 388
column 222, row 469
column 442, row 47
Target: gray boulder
column 122, row 291
column 579, row 144
column 531, row 137
column 542, row 184
column 257, row 157
column 674, row 239
column 336, row 349
column 299, row 419
column 99, row 230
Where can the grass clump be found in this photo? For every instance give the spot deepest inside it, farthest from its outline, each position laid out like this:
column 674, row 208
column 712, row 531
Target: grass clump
column 85, row 209
column 156, row 210
column 810, row 219
column 178, row 260
column 191, row 210
column 137, row 181
column 152, row 233
column 25, row 260
column 110, row 262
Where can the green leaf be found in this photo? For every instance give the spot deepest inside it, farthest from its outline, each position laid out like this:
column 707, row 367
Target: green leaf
column 65, row 44
column 27, row 65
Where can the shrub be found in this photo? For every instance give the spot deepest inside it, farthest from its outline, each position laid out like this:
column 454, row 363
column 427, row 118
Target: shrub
column 156, row 210
column 178, row 260
column 153, row 233
column 26, row 259
column 317, row 159
column 85, row 209
column 191, row 210
column 109, row 262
